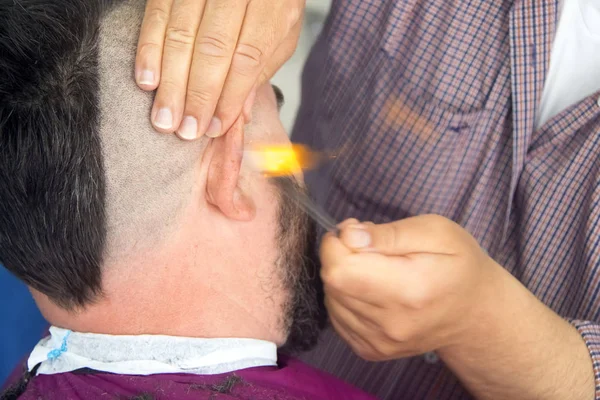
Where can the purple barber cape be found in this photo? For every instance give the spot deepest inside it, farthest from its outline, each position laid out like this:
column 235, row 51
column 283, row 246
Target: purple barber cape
column 291, row 379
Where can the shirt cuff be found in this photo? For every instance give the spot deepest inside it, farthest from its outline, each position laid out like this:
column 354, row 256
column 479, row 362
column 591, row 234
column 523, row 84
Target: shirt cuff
column 590, row 332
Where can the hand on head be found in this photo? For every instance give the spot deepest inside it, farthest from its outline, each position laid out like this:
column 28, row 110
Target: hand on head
column 207, row 57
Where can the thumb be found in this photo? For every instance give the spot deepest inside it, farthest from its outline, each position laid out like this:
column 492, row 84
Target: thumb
column 332, row 254
column 422, row 234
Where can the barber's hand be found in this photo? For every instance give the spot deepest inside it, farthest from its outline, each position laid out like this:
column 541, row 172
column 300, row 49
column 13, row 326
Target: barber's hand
column 404, row 288
column 208, row 56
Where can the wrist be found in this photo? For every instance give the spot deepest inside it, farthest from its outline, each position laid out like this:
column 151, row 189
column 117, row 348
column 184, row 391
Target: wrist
column 490, row 320
column 514, row 346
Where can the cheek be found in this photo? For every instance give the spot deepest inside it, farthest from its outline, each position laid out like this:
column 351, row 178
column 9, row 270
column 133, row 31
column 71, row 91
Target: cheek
column 266, row 202
column 265, row 224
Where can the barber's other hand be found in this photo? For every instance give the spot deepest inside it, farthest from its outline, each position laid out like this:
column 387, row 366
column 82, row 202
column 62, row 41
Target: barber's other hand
column 404, row 288
column 206, row 57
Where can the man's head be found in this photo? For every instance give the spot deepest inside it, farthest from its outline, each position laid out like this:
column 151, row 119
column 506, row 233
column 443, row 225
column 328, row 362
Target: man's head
column 118, row 229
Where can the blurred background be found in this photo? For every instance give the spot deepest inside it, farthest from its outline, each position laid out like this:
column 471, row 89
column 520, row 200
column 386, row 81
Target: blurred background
column 22, row 326
column 288, row 77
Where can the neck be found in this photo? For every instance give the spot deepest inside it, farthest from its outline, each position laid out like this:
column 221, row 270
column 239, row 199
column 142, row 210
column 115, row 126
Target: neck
column 167, row 298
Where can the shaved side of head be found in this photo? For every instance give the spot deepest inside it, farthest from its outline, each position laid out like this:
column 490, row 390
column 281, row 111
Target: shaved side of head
column 149, row 175
column 84, row 179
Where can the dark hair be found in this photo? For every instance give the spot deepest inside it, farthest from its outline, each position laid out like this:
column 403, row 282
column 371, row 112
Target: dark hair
column 52, row 184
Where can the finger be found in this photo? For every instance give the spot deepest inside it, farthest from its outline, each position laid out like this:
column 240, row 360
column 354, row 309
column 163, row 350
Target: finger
column 283, row 53
column 360, row 345
column 348, row 222
column 248, row 104
column 375, row 278
column 348, row 321
column 367, row 342
column 371, row 350
column 381, row 280
column 150, row 45
column 355, row 343
column 368, row 314
column 215, row 44
column 423, row 234
column 257, row 43
column 360, row 301
column 355, row 275
column 370, row 278
column 332, row 254
column 177, row 58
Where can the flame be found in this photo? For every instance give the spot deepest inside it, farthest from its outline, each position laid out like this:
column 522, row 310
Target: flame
column 281, row 160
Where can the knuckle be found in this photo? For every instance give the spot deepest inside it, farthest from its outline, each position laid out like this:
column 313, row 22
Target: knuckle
column 364, row 353
column 430, row 217
column 148, row 48
column 157, row 15
column 437, row 221
column 295, row 12
column 362, row 286
column 388, row 235
column 247, row 59
column 395, row 334
column 393, row 235
column 435, row 225
column 229, row 109
column 328, row 276
column 381, row 350
column 169, row 88
column 444, row 223
column 198, row 97
column 179, row 38
column 265, row 76
column 214, row 45
column 418, row 299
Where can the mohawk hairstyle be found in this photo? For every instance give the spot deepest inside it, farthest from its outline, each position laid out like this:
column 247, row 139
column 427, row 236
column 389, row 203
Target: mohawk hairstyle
column 52, row 184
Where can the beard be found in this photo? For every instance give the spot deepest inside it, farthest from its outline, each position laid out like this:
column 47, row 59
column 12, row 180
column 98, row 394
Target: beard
column 304, row 313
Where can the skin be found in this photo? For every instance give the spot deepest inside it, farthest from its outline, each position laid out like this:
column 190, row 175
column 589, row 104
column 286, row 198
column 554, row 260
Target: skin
column 424, row 284
column 201, row 279
column 207, row 57
column 411, row 286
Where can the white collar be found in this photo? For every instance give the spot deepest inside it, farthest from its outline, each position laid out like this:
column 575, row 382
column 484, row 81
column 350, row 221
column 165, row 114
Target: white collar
column 65, row 351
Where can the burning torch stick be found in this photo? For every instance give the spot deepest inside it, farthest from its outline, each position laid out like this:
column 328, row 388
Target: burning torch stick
column 280, row 163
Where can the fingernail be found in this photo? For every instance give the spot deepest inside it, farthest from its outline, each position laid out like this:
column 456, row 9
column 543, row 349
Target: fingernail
column 146, row 77
column 357, row 237
column 214, row 128
column 164, row 119
column 188, row 129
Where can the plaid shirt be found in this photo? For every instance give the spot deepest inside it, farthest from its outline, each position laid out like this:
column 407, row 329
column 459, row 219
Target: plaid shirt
column 432, row 104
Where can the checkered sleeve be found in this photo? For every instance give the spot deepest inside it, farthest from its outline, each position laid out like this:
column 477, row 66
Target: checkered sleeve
column 590, row 331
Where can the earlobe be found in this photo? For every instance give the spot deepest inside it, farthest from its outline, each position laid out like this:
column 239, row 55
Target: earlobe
column 222, row 189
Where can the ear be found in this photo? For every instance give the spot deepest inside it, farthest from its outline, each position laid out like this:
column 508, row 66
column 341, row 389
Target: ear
column 222, row 189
